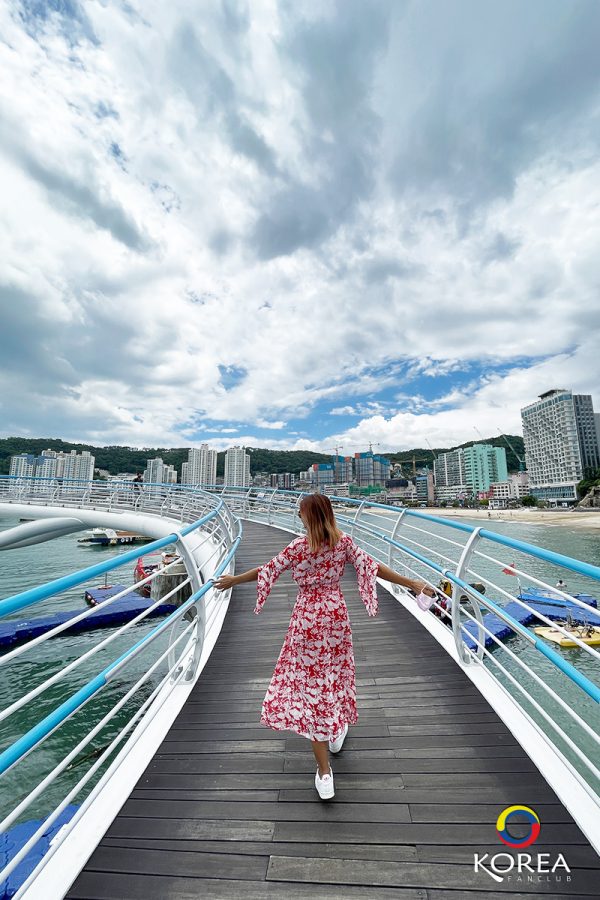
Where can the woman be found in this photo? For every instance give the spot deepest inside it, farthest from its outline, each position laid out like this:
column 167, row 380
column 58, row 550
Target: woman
column 313, row 688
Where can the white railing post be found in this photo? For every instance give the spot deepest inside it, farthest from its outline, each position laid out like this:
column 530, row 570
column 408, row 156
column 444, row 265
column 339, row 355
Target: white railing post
column 395, row 530
column 356, row 518
column 270, row 507
column 461, row 570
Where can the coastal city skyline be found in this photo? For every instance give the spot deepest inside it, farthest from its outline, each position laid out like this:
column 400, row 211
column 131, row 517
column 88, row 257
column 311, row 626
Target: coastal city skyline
column 285, row 225
column 561, row 448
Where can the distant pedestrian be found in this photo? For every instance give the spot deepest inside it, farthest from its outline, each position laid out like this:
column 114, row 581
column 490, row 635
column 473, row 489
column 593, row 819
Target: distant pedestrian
column 313, row 688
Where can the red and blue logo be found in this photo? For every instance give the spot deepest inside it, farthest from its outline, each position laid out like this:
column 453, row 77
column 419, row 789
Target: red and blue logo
column 522, row 812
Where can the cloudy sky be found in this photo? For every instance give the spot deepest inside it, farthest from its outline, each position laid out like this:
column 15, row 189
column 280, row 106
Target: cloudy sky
column 296, row 224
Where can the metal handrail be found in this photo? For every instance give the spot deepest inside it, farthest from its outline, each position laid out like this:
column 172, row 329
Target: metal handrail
column 207, row 544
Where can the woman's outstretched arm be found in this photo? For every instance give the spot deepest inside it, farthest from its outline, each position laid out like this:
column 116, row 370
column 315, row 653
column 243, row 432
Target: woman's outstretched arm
column 224, row 582
column 412, row 584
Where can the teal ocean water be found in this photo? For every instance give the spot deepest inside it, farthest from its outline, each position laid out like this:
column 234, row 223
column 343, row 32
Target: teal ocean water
column 25, row 568
column 28, row 567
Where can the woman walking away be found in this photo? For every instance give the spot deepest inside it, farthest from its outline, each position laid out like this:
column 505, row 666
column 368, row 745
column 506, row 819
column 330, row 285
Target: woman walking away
column 313, row 688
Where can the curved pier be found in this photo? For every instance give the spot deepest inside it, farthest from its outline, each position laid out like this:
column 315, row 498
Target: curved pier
column 453, row 730
column 227, row 808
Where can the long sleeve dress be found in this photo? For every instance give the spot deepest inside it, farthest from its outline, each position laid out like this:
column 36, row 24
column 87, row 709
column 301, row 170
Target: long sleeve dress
column 313, row 688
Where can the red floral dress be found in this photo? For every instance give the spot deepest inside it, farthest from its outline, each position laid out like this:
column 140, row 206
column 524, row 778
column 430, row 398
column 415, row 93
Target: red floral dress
column 313, row 688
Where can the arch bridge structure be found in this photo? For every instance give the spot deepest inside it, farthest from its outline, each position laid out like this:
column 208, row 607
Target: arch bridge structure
column 133, row 764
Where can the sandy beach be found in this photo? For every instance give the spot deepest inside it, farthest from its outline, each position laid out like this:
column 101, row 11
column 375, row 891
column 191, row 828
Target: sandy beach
column 571, row 519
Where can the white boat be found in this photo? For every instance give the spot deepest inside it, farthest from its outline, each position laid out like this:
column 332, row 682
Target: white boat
column 105, row 537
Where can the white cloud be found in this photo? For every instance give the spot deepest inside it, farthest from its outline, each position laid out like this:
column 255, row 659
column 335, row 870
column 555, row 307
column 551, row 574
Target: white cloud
column 149, row 177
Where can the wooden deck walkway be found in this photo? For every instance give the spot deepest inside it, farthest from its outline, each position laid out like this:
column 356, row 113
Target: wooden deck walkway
column 228, row 809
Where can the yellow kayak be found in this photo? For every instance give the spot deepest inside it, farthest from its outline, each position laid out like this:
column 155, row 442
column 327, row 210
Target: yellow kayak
column 588, row 634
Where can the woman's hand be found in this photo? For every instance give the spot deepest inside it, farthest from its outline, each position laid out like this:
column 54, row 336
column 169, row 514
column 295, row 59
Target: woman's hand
column 224, row 582
column 422, row 588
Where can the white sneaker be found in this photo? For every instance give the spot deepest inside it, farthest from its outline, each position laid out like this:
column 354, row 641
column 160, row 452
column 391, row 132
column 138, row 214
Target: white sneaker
column 336, row 746
column 324, row 785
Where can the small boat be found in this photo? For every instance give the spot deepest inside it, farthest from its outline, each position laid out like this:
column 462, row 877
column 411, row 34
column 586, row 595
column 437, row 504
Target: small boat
column 165, row 582
column 588, row 634
column 105, row 537
column 144, row 567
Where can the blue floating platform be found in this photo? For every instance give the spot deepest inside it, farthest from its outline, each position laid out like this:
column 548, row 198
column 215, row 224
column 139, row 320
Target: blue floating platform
column 551, row 609
column 539, row 595
column 12, row 840
column 17, row 631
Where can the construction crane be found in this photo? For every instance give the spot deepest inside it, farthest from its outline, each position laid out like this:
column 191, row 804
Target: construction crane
column 432, row 451
column 336, row 450
column 521, row 461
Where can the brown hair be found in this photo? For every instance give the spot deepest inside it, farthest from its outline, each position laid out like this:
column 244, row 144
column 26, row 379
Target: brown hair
column 320, row 521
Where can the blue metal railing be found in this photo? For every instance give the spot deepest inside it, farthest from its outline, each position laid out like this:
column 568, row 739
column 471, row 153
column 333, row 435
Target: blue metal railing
column 207, row 537
column 39, row 732
column 51, row 588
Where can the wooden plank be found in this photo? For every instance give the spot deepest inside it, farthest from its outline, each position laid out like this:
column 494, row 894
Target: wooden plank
column 579, row 856
column 265, row 848
column 235, row 781
column 481, row 812
column 107, row 886
column 345, row 793
column 192, row 829
column 177, row 862
column 238, row 762
column 413, row 833
column 403, row 874
column 196, row 810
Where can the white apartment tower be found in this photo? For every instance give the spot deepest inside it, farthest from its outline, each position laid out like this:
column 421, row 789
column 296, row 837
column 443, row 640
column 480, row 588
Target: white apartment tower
column 154, row 471
column 237, row 467
column 22, row 466
column 201, row 466
column 561, row 443
column 79, row 466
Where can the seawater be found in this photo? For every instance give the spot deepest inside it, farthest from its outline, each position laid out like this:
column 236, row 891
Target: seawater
column 25, row 568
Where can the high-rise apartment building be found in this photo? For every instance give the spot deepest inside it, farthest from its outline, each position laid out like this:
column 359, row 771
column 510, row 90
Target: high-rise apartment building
column 46, row 466
column 79, row 467
column 371, row 469
column 484, row 464
column 321, row 475
column 424, row 488
column 561, row 443
column 237, row 468
column 283, row 480
column 449, row 470
column 342, row 467
column 587, row 435
column 169, row 474
column 154, row 471
column 468, row 470
column 201, row 466
column 22, row 465
column 53, row 464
